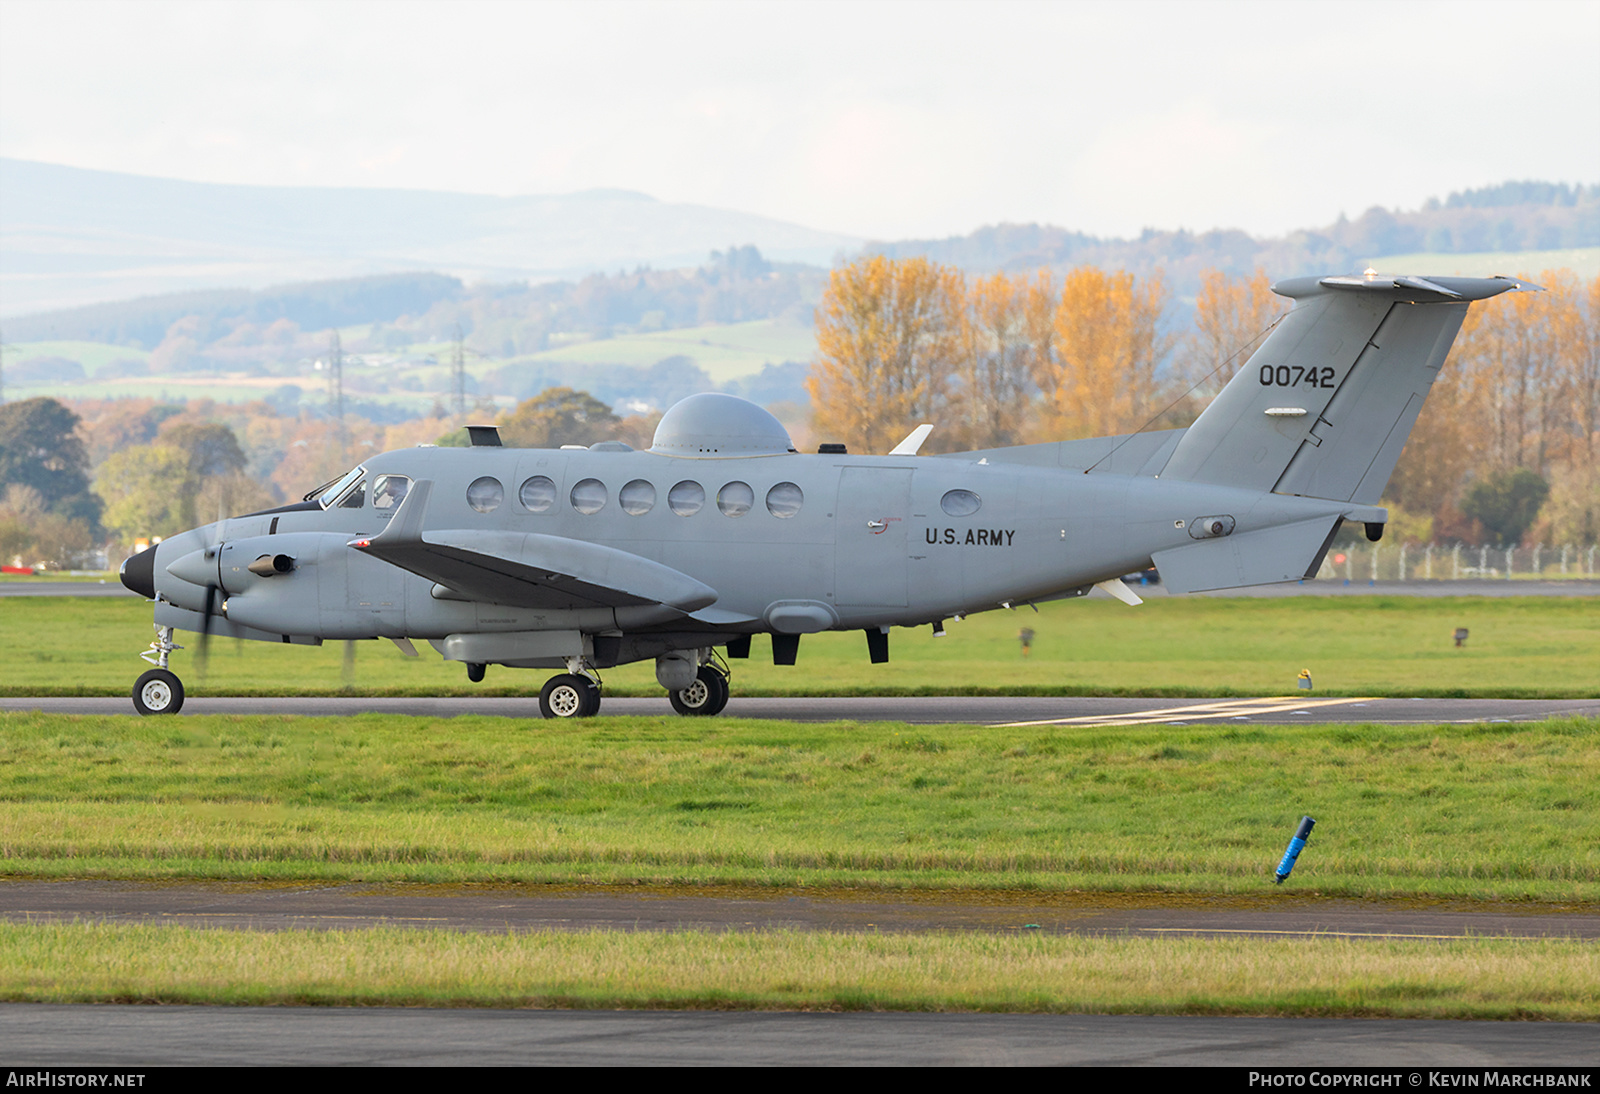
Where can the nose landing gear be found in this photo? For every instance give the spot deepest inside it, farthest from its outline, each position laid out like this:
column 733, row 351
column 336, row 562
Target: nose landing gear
column 159, row 691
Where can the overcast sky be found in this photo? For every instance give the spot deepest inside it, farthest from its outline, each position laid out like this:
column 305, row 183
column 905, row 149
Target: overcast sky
column 880, row 120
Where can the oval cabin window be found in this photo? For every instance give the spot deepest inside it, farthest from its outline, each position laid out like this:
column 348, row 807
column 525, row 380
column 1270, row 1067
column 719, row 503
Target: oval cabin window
column 637, row 498
column 486, row 494
column 538, row 494
column 735, row 499
column 687, row 498
column 589, row 496
column 960, row 503
column 784, row 500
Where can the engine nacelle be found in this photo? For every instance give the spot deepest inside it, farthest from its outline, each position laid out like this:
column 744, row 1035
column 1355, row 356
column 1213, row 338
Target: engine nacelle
column 320, row 586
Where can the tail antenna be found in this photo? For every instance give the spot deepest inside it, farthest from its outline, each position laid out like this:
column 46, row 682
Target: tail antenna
column 1262, row 333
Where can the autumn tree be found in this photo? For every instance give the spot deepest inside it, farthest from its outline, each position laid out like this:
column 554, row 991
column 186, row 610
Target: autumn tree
column 193, row 473
column 147, row 492
column 1101, row 377
column 1520, row 391
column 1231, row 318
column 558, row 416
column 888, row 338
column 991, row 397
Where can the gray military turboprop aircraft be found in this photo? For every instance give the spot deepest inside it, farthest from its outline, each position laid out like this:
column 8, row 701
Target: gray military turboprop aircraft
column 589, row 558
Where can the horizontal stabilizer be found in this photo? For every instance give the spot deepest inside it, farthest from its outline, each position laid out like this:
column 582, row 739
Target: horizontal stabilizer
column 1287, row 552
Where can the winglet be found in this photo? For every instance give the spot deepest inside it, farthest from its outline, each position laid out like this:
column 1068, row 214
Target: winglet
column 406, row 524
column 913, row 441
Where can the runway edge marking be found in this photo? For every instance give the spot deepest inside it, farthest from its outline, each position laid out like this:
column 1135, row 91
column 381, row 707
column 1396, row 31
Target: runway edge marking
column 1223, row 709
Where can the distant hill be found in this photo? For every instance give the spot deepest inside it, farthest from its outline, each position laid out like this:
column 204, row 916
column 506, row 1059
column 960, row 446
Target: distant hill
column 70, row 236
column 144, row 321
column 1510, row 217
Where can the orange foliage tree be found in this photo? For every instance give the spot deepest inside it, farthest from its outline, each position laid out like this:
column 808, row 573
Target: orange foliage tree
column 888, row 336
column 993, row 374
column 1231, row 318
column 1100, row 376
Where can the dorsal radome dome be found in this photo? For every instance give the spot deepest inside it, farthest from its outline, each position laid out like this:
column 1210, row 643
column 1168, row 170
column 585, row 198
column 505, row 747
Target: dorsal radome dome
column 713, row 424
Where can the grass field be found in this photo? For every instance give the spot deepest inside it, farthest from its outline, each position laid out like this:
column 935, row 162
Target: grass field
column 1491, row 812
column 93, row 356
column 1469, row 978
column 728, row 351
column 1199, row 646
column 1480, row 812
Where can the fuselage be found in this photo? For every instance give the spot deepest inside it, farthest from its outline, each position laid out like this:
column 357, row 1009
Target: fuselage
column 790, row 542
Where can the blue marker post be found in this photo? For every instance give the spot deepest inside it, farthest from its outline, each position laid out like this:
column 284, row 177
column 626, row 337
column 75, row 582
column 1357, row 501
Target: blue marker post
column 1301, row 834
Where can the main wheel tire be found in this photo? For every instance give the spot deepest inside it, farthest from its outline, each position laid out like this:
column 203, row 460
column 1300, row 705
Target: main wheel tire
column 475, row 672
column 158, row 692
column 569, row 696
column 721, row 699
column 706, row 696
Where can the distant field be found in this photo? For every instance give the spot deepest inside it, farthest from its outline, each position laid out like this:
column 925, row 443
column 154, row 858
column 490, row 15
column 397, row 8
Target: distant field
column 91, row 355
column 179, row 387
column 1201, row 646
column 1583, row 261
column 727, row 352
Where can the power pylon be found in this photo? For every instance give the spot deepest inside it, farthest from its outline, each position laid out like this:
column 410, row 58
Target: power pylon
column 458, row 372
column 336, row 387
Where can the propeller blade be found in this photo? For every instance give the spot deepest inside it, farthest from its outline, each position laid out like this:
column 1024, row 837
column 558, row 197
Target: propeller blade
column 348, row 672
column 202, row 656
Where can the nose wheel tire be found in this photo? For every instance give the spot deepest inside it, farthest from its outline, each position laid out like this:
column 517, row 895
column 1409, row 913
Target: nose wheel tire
column 158, row 692
column 706, row 696
column 569, row 696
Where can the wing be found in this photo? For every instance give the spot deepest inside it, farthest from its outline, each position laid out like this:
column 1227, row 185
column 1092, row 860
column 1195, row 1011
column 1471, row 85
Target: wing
column 528, row 569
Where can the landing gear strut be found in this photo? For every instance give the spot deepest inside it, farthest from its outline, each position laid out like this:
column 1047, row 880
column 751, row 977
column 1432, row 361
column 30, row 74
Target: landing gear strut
column 159, row 691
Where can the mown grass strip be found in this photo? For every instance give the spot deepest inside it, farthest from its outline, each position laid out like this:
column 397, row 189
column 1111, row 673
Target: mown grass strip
column 1486, row 811
column 1469, row 978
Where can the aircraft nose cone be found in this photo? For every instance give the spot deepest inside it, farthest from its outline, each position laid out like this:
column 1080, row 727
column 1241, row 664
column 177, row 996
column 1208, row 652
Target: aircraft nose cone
column 196, row 567
column 139, row 573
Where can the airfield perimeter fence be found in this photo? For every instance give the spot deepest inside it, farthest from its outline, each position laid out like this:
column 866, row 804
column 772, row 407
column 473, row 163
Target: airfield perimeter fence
column 1369, row 562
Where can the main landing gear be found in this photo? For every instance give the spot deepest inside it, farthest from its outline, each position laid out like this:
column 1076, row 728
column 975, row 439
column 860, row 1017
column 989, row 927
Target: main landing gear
column 159, row 691
column 570, row 695
column 576, row 693
column 573, row 694
column 707, row 695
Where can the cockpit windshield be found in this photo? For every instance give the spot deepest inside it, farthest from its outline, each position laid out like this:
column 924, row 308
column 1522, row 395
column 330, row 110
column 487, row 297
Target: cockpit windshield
column 330, row 494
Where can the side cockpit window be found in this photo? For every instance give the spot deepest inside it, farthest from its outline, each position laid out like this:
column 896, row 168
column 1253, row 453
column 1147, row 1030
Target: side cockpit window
column 388, row 491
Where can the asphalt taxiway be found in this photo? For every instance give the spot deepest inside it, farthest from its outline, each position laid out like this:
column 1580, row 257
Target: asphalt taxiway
column 1272, row 913
column 1010, row 710
column 127, row 1037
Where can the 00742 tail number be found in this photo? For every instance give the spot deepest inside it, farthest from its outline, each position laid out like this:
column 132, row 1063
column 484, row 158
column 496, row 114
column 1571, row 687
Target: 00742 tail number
column 1295, row 375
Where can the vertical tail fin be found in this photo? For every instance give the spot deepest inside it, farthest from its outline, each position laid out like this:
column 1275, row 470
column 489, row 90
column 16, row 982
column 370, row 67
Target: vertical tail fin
column 1324, row 407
